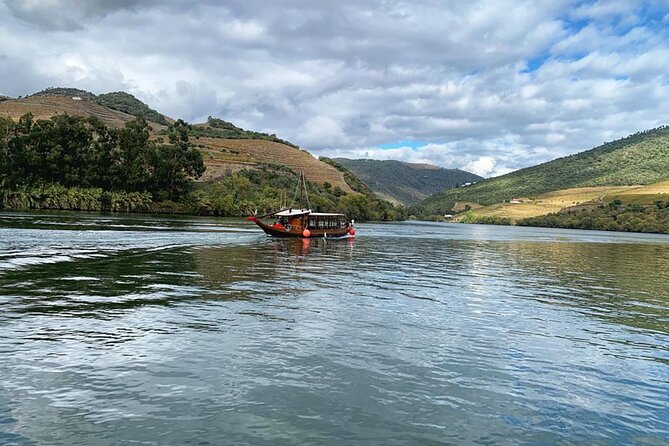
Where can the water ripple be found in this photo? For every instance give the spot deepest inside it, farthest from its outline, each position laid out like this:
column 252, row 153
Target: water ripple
column 147, row 330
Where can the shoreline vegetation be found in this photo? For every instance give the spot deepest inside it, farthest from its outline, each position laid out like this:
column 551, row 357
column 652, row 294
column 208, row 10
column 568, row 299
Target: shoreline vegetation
column 80, row 164
column 613, row 216
column 76, row 163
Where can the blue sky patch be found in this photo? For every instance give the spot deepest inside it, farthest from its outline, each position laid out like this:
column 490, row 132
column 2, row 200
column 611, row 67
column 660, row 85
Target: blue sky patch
column 534, row 64
column 399, row 144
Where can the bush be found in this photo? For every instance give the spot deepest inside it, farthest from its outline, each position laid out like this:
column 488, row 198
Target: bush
column 632, row 218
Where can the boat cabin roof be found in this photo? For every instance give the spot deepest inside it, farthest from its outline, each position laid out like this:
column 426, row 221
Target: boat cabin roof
column 296, row 212
column 292, row 212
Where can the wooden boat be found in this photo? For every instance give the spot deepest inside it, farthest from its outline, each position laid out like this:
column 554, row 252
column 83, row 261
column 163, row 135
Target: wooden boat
column 302, row 222
column 305, row 223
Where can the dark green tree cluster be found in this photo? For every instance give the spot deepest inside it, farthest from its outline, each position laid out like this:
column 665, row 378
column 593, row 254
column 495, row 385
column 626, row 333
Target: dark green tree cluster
column 127, row 103
column 76, row 152
column 470, row 217
column 65, row 92
column 612, row 217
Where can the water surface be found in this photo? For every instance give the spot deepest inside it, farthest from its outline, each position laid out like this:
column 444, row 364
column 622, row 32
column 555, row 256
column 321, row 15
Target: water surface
column 149, row 330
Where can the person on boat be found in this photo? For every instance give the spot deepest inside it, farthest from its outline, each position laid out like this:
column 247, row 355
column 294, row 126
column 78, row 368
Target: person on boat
column 280, row 223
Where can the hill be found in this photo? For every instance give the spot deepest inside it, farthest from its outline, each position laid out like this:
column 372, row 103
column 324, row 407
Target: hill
column 65, row 92
column 127, row 103
column 226, row 148
column 218, row 128
column 406, row 183
column 119, row 100
column 44, row 106
column 223, row 156
column 567, row 200
column 641, row 195
column 636, row 209
column 245, row 170
column 637, row 160
column 543, row 204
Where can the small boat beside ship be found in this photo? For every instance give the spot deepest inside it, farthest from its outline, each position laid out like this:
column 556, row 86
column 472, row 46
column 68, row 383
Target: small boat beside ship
column 303, row 222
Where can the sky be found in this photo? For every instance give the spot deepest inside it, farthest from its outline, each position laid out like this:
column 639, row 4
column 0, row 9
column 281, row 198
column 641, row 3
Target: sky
column 488, row 86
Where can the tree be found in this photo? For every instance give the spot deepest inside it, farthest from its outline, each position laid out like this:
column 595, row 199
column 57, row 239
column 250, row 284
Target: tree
column 132, row 159
column 177, row 164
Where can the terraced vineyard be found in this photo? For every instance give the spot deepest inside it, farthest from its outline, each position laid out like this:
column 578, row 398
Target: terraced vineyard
column 223, row 156
column 549, row 203
column 571, row 199
column 45, row 106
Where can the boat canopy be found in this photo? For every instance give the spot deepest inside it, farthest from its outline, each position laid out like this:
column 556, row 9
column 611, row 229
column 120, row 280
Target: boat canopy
column 292, row 212
column 298, row 212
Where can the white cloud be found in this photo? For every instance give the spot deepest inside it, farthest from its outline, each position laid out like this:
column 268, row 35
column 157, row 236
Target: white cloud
column 341, row 78
column 483, row 166
column 322, row 131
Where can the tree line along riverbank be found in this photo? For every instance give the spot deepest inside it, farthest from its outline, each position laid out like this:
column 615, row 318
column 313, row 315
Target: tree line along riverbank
column 613, row 216
column 76, row 163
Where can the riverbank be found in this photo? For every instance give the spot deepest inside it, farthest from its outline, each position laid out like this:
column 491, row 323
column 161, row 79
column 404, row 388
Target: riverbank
column 614, row 216
column 237, row 195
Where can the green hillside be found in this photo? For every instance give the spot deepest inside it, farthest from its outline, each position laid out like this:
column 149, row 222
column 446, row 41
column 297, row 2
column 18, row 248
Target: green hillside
column 127, row 103
column 639, row 159
column 405, row 182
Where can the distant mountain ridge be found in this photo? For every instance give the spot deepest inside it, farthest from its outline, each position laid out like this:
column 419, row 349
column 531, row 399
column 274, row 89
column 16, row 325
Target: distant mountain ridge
column 638, row 159
column 406, row 183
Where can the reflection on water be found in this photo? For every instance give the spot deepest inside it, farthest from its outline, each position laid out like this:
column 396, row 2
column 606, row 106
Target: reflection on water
column 198, row 331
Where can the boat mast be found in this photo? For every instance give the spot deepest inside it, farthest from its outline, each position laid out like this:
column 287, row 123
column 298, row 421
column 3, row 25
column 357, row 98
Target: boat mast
column 304, row 194
column 303, row 187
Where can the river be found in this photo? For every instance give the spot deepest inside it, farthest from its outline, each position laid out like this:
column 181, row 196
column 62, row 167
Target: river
column 159, row 331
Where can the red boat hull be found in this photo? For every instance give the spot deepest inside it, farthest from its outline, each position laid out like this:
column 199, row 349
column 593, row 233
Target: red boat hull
column 296, row 230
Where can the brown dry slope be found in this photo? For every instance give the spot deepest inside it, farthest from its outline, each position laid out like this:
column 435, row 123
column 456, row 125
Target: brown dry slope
column 45, row 106
column 550, row 202
column 222, row 155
